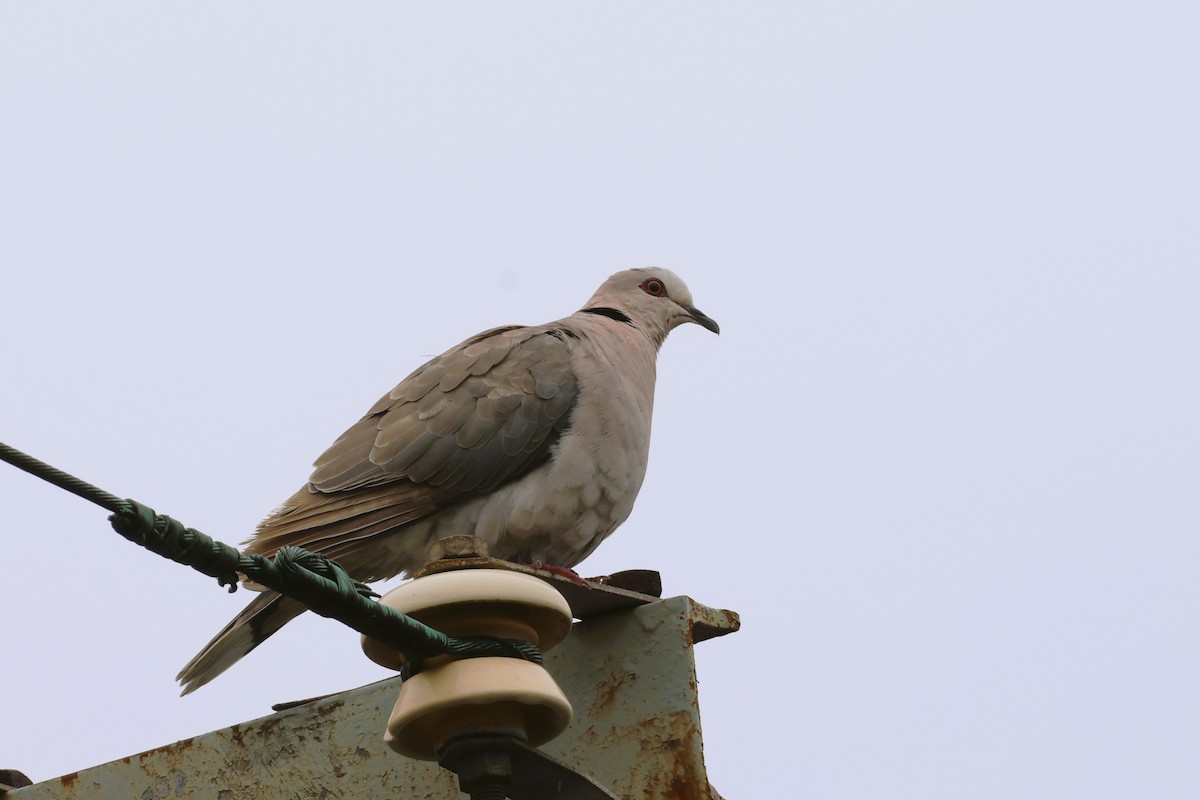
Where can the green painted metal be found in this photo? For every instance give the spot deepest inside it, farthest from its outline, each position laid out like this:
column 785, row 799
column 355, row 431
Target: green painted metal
column 630, row 676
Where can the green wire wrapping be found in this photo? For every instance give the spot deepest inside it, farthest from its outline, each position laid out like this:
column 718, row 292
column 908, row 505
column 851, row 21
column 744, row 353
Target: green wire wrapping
column 318, row 582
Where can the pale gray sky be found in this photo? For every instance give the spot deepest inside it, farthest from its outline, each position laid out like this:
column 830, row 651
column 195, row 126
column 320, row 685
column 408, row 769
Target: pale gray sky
column 943, row 458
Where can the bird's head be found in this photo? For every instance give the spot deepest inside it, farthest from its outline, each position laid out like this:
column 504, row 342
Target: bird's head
column 652, row 299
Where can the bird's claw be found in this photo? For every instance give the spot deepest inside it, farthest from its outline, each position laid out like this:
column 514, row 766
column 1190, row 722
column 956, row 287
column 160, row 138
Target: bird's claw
column 565, row 572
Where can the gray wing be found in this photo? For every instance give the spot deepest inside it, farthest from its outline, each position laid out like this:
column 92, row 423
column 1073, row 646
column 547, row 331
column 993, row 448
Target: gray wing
column 468, row 421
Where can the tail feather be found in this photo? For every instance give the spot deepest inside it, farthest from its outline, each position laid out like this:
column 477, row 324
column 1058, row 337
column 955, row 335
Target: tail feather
column 266, row 614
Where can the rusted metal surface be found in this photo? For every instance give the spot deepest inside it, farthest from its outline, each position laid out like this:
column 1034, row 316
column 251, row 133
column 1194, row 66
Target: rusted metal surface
column 709, row 623
column 630, row 676
column 633, row 686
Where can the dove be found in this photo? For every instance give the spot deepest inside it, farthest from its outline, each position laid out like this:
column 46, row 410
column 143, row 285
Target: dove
column 534, row 439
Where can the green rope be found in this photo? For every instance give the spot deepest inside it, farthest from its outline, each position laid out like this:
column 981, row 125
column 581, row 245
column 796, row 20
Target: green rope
column 318, row 582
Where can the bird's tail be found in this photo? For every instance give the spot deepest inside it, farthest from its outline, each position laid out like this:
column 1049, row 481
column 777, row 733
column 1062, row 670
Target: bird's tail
column 266, row 614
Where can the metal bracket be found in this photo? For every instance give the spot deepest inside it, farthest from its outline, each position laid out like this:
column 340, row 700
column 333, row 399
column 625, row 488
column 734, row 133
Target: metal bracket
column 500, row 766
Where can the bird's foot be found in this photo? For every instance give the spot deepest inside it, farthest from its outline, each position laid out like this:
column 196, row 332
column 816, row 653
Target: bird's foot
column 565, row 572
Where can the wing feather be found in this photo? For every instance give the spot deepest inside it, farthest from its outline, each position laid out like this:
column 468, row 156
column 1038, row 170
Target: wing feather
column 461, row 425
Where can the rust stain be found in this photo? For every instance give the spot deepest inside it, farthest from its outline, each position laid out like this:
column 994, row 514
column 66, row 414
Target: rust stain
column 672, row 743
column 330, row 708
column 69, row 779
column 173, row 749
column 608, row 690
column 235, row 733
column 713, row 622
column 687, row 780
column 268, row 725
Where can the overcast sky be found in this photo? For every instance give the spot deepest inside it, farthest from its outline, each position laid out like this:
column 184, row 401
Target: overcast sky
column 943, row 458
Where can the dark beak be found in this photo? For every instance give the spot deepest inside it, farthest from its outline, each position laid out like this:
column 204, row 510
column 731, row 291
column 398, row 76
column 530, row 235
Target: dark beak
column 700, row 318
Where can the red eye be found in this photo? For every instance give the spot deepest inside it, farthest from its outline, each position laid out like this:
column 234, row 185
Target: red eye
column 655, row 287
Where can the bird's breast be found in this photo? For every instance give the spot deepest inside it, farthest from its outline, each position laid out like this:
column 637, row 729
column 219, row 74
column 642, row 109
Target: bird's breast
column 561, row 511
